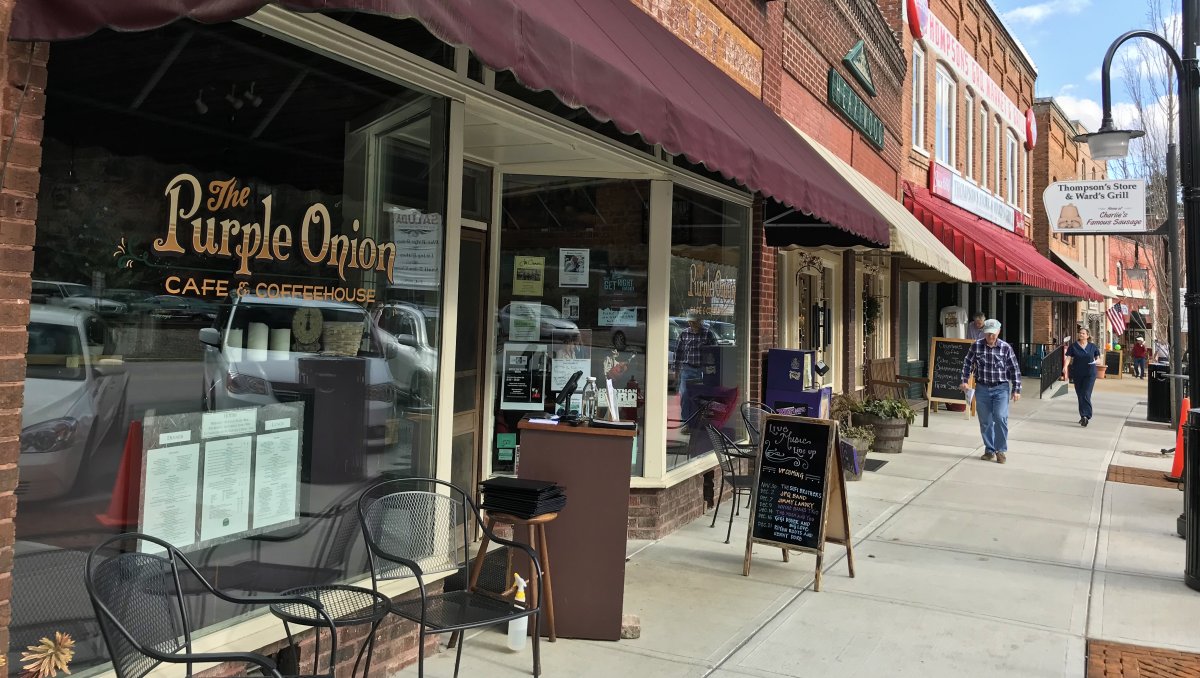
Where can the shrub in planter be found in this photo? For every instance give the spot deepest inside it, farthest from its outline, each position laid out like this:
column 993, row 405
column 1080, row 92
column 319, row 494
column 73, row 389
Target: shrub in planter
column 888, row 417
column 856, row 442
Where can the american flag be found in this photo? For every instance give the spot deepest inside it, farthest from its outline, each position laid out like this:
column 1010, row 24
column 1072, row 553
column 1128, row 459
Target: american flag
column 1116, row 318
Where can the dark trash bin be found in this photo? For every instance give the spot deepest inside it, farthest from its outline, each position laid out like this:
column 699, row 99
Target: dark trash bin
column 1158, row 393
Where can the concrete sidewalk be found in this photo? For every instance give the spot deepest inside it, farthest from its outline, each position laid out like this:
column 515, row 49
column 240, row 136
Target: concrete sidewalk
column 964, row 568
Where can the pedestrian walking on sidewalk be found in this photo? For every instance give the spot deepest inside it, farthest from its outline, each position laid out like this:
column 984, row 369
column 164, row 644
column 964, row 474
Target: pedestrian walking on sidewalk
column 997, row 382
column 1082, row 358
column 1139, row 358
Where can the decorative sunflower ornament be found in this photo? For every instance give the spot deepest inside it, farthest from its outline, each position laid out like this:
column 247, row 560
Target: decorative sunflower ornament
column 48, row 657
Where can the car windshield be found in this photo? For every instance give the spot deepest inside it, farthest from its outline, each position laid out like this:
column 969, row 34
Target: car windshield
column 75, row 290
column 725, row 330
column 54, row 352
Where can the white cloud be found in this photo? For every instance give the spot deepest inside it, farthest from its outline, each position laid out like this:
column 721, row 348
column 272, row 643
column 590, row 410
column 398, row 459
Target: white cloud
column 1094, row 76
column 1086, row 111
column 1032, row 14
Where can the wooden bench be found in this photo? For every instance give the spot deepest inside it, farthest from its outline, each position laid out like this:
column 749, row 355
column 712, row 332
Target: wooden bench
column 885, row 381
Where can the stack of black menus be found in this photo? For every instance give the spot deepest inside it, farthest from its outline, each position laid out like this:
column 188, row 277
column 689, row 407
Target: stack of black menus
column 521, row 497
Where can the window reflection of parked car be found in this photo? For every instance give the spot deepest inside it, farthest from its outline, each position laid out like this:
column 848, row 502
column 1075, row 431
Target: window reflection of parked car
column 244, row 376
column 726, row 332
column 173, row 307
column 73, row 398
column 415, row 362
column 125, row 296
column 74, row 295
column 552, row 326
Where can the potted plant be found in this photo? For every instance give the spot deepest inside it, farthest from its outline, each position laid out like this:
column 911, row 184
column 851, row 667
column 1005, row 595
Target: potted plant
column 888, row 417
column 855, row 440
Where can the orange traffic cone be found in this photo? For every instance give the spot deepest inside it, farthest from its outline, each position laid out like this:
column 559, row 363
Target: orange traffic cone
column 126, row 497
column 1177, row 468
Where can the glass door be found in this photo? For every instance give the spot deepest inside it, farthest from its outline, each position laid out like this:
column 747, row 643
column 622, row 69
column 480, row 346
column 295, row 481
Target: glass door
column 469, row 360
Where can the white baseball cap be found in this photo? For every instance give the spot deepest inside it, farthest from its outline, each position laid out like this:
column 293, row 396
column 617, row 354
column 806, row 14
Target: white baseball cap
column 991, row 326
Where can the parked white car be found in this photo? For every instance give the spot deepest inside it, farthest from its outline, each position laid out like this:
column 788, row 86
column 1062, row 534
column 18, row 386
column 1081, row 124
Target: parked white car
column 416, row 359
column 73, row 398
column 74, row 295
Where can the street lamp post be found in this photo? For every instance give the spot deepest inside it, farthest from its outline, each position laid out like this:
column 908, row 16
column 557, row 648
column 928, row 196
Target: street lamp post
column 1108, row 143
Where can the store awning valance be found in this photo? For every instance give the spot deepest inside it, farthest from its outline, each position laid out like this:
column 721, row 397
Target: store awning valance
column 1082, row 272
column 607, row 56
column 993, row 254
column 909, row 236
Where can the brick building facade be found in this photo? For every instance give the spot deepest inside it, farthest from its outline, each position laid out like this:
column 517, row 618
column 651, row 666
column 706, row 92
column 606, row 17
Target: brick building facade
column 798, row 47
column 1058, row 157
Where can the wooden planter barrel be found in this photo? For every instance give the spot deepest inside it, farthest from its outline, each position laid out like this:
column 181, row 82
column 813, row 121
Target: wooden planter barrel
column 889, row 433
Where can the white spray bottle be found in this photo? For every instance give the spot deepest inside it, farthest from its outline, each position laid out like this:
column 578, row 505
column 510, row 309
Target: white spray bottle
column 518, row 628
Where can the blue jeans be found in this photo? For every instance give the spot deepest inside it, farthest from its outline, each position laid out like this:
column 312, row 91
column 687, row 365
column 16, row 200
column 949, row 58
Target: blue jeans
column 991, row 403
column 1139, row 367
column 1083, row 390
column 687, row 406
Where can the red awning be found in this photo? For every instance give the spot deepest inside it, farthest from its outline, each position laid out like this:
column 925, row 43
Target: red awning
column 607, row 56
column 993, row 254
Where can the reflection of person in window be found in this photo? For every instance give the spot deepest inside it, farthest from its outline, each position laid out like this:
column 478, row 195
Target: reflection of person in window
column 689, row 361
column 569, row 349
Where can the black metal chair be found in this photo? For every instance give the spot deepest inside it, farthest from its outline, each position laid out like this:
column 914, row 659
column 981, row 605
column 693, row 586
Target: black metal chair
column 752, row 413
column 139, row 603
column 416, row 527
column 742, row 481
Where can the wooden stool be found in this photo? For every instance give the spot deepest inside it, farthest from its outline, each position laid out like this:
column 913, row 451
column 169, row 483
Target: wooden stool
column 537, row 542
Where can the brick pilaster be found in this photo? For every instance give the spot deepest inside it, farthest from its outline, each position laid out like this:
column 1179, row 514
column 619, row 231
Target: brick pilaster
column 22, row 106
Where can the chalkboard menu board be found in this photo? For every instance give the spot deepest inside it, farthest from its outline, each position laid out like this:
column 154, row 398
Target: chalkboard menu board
column 1113, row 360
column 945, row 370
column 789, row 495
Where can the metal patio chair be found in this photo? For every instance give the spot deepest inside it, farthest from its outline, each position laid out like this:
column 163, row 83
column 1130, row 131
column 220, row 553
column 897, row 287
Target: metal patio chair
column 753, row 412
column 742, row 481
column 416, row 527
column 139, row 603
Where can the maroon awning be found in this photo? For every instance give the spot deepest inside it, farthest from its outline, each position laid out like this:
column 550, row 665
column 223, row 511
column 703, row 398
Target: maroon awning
column 607, row 56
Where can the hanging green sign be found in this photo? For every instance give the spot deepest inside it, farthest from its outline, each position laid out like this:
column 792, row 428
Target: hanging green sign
column 846, row 100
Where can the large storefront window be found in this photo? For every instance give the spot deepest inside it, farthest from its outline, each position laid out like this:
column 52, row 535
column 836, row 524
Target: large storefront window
column 235, row 314
column 709, row 332
column 572, row 298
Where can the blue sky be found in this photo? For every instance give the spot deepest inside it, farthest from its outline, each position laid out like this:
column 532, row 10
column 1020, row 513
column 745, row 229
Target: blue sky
column 1067, row 40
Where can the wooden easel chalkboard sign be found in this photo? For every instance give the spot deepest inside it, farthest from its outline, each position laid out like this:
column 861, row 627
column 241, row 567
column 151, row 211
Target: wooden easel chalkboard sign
column 799, row 497
column 946, row 357
column 1115, row 361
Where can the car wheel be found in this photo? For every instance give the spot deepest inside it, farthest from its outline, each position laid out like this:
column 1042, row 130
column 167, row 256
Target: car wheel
column 619, row 341
column 420, row 391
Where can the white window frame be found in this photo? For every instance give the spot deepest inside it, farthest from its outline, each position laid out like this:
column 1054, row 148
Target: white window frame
column 999, row 154
column 945, row 117
column 984, row 122
column 1010, row 180
column 918, row 98
column 969, row 117
column 1024, row 188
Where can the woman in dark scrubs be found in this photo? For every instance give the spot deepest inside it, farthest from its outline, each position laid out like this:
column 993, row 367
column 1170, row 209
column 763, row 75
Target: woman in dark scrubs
column 1080, row 365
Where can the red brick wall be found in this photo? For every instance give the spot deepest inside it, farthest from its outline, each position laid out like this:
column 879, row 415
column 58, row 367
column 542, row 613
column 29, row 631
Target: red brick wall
column 25, row 67
column 655, row 512
column 815, row 38
column 764, row 323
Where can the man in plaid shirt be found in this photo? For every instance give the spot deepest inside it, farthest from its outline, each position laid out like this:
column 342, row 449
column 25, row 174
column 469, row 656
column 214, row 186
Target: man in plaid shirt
column 689, row 358
column 997, row 380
